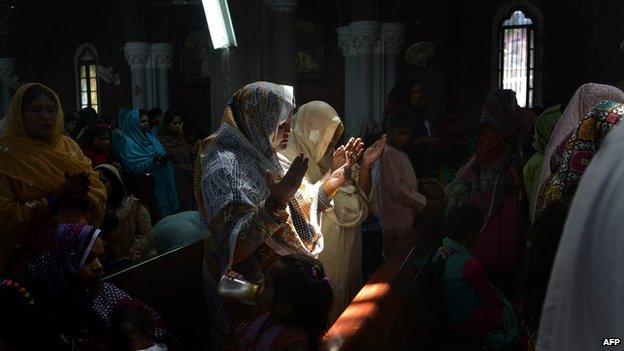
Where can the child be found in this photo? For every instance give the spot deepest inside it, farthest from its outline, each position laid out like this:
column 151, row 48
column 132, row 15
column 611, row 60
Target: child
column 399, row 199
column 133, row 330
column 297, row 296
column 97, row 146
column 478, row 314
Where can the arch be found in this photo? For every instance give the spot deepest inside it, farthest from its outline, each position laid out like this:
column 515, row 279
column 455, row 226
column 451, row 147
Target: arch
column 85, row 70
column 534, row 21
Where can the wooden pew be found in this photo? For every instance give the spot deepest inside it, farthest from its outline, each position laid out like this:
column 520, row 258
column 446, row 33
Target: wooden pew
column 172, row 284
column 396, row 309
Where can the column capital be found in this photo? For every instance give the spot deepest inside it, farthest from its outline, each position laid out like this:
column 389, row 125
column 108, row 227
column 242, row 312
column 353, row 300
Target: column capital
column 365, row 35
column 345, row 41
column 283, row 5
column 137, row 54
column 162, row 54
column 392, row 37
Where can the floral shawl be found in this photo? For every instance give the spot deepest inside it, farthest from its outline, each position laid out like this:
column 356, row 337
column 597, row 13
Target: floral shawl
column 573, row 155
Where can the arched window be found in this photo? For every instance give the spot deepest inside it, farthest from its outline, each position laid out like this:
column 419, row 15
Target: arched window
column 517, row 51
column 86, row 77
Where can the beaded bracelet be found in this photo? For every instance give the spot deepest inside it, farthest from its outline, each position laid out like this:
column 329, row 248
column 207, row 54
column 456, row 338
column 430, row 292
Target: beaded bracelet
column 24, row 293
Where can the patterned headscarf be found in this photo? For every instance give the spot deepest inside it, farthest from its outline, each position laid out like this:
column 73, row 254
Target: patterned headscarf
column 585, row 97
column 231, row 169
column 574, row 154
column 497, row 152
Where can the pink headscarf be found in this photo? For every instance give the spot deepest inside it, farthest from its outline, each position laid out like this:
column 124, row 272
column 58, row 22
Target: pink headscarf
column 586, row 96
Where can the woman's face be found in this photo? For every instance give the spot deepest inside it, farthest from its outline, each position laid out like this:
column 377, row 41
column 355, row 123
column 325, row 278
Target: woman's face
column 39, row 118
column 280, row 139
column 175, row 124
column 145, row 126
column 93, row 270
column 101, row 142
column 416, row 96
column 107, row 183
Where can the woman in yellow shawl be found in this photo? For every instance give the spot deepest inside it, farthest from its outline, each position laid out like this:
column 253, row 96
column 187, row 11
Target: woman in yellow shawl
column 44, row 177
column 316, row 128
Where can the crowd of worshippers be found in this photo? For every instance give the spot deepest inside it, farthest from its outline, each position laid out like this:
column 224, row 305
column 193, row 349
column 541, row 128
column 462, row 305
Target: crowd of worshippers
column 295, row 216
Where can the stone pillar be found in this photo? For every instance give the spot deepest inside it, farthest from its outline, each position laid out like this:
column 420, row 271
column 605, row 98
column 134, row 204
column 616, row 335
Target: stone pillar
column 365, row 35
column 137, row 54
column 379, row 81
column 162, row 54
column 392, row 39
column 345, row 43
column 283, row 48
column 7, row 68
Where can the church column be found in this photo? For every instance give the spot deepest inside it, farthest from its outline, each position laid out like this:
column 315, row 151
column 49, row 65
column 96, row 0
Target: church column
column 162, row 54
column 365, row 35
column 284, row 51
column 345, row 43
column 392, row 39
column 137, row 54
column 7, row 67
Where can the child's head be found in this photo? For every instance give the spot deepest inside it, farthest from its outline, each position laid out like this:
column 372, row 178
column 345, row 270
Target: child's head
column 100, row 138
column 298, row 292
column 464, row 223
column 400, row 127
column 132, row 329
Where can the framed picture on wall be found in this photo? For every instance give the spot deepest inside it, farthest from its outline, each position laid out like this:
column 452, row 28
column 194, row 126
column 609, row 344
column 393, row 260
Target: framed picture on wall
column 310, row 42
column 196, row 58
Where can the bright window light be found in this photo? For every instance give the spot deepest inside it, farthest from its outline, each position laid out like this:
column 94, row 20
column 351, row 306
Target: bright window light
column 219, row 23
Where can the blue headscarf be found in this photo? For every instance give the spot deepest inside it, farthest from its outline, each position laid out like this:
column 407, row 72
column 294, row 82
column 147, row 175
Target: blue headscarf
column 138, row 146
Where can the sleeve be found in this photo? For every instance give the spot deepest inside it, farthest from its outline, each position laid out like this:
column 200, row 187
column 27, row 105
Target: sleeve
column 394, row 183
column 350, row 206
column 487, row 317
column 16, row 216
column 229, row 213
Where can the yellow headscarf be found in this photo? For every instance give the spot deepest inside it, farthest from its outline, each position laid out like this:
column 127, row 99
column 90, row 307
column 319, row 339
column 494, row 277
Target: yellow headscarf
column 315, row 126
column 44, row 165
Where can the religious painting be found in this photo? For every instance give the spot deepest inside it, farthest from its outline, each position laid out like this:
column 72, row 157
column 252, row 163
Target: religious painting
column 310, row 41
column 195, row 59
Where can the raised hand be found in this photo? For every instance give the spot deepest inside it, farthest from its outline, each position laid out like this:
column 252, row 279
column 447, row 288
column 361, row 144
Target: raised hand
column 284, row 189
column 373, row 153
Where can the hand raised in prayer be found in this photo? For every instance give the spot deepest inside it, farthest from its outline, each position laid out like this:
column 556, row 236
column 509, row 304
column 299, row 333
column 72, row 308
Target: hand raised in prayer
column 73, row 192
column 354, row 146
column 373, row 153
column 340, row 176
column 284, row 189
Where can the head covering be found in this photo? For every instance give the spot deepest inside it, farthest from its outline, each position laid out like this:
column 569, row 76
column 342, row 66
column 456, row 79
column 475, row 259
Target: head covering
column 583, row 305
column 57, row 272
column 316, row 127
column 75, row 242
column 234, row 160
column 586, row 96
column 137, row 146
column 44, row 165
column 574, row 154
column 543, row 128
column 497, row 152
